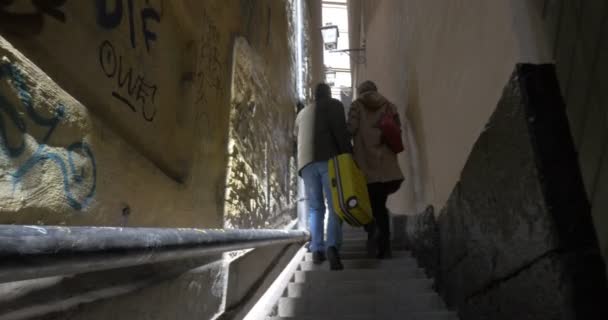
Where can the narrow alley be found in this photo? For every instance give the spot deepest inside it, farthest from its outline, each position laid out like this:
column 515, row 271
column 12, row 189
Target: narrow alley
column 303, row 159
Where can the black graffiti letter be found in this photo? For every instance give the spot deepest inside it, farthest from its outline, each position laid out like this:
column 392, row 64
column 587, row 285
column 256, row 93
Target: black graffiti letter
column 126, row 77
column 131, row 23
column 147, row 91
column 146, row 14
column 109, row 20
column 107, row 59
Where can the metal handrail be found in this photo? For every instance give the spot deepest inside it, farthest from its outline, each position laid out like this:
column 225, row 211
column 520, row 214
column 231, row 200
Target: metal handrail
column 32, row 252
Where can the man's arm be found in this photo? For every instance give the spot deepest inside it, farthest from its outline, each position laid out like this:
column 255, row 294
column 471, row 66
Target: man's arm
column 338, row 128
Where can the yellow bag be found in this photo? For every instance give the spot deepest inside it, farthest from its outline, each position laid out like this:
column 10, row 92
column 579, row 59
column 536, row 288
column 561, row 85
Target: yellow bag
column 349, row 191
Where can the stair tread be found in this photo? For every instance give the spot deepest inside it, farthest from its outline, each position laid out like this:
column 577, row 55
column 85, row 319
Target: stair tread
column 405, row 260
column 367, row 273
column 382, row 273
column 349, row 254
column 367, row 297
column 366, row 283
column 398, row 299
column 413, row 287
column 361, row 304
column 364, row 264
column 435, row 315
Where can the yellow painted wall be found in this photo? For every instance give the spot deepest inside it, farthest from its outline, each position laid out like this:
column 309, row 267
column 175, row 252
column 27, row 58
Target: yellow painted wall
column 147, row 89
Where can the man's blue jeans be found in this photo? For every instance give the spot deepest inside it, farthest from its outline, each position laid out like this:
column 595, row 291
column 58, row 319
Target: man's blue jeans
column 316, row 181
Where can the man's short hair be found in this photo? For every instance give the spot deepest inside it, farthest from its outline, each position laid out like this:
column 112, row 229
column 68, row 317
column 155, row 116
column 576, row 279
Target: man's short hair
column 322, row 91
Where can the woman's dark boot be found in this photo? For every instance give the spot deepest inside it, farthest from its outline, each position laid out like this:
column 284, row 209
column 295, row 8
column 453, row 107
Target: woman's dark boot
column 384, row 247
column 372, row 239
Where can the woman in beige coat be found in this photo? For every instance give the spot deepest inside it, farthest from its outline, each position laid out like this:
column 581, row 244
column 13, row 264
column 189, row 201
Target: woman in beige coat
column 375, row 159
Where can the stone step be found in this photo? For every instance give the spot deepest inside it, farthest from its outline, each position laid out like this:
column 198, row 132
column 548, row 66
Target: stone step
column 354, row 233
column 435, row 315
column 362, row 254
column 355, row 254
column 380, row 305
column 361, row 245
column 347, row 228
column 351, row 244
column 388, row 275
column 354, row 242
column 400, row 263
column 356, row 237
column 333, row 289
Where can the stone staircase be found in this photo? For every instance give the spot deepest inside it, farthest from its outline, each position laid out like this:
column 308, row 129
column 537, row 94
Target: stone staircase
column 366, row 288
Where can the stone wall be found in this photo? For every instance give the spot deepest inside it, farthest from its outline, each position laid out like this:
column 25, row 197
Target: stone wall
column 261, row 169
column 516, row 238
column 577, row 30
column 421, row 237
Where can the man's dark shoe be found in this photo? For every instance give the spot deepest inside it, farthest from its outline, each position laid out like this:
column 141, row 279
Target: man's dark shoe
column 318, row 257
column 334, row 259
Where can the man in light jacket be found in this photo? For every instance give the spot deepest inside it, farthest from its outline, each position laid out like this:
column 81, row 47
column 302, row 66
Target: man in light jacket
column 322, row 134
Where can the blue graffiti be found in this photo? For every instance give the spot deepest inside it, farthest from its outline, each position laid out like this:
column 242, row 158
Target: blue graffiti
column 72, row 176
column 26, row 99
column 11, row 151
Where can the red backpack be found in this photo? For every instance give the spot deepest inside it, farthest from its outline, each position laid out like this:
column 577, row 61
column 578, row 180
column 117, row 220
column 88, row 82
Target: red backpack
column 391, row 131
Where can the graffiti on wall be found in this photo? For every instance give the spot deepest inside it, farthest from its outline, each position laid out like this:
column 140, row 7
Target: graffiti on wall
column 77, row 164
column 110, row 17
column 131, row 87
column 139, row 19
column 32, row 22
